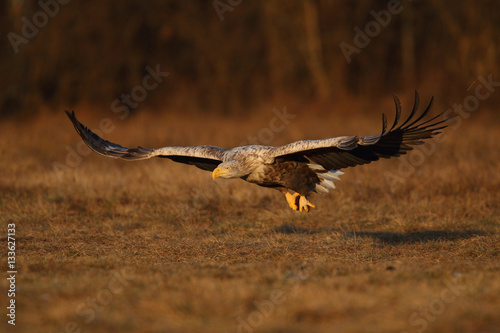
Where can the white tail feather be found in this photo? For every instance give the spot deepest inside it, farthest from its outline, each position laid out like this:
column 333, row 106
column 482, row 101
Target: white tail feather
column 326, row 178
column 315, row 167
column 320, row 188
column 329, row 184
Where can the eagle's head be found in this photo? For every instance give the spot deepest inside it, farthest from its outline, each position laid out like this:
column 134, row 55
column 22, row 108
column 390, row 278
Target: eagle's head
column 229, row 169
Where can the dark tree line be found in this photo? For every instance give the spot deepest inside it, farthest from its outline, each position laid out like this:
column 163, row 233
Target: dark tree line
column 226, row 56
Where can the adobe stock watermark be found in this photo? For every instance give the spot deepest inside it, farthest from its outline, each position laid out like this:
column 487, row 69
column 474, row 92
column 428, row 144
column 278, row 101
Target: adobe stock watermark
column 30, row 28
column 483, row 88
column 122, row 107
column 222, row 6
column 139, row 93
column 277, row 124
column 92, row 306
column 421, row 319
column 266, row 308
column 263, row 310
column 372, row 29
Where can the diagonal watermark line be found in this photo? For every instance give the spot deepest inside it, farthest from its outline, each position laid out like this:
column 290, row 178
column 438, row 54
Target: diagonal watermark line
column 483, row 89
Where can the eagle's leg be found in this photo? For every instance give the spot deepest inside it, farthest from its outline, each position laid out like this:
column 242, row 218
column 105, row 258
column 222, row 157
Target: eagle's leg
column 304, row 204
column 292, row 200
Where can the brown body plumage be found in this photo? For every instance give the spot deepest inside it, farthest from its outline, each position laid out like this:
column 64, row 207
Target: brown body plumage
column 296, row 176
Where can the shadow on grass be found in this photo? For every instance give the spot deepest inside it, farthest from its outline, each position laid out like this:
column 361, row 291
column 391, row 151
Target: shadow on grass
column 417, row 236
column 289, row 228
column 389, row 237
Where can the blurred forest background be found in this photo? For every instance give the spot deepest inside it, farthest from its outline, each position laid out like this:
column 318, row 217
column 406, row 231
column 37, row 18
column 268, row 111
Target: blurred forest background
column 229, row 56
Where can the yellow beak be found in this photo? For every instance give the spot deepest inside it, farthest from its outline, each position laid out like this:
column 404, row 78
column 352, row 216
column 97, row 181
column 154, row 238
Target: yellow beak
column 218, row 172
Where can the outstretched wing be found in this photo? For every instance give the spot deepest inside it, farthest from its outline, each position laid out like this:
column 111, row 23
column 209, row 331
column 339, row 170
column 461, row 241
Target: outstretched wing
column 204, row 157
column 348, row 151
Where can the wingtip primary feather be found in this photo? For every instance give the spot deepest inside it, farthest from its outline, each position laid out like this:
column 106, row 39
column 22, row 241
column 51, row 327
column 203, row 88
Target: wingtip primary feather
column 78, row 126
column 424, row 113
column 416, row 104
column 384, row 123
column 71, row 115
column 397, row 103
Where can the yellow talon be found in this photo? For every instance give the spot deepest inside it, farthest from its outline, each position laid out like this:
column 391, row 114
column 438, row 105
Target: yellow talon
column 292, row 199
column 304, row 204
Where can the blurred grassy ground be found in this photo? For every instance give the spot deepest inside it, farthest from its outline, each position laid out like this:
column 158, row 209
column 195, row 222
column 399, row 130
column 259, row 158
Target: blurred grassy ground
column 196, row 255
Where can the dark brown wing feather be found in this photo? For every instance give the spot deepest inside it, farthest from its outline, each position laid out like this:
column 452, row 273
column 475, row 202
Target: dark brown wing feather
column 362, row 150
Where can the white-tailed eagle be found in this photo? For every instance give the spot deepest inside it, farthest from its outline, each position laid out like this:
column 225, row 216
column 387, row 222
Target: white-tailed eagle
column 295, row 169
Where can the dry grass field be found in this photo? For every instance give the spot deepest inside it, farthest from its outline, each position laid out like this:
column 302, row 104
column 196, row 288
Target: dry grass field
column 154, row 246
